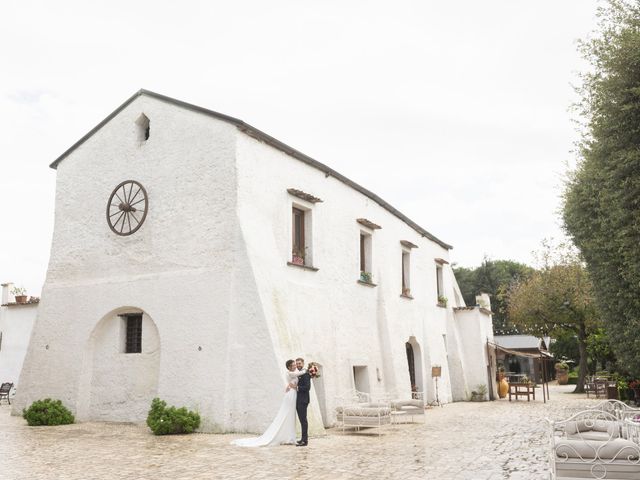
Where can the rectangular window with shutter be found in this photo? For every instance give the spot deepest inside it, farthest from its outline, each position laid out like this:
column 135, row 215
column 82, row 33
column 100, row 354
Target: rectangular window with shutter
column 298, row 242
column 363, row 258
column 406, row 270
column 366, row 268
column 439, row 283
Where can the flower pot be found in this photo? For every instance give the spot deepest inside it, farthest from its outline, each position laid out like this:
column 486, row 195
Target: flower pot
column 21, row 298
column 297, row 260
column 562, row 376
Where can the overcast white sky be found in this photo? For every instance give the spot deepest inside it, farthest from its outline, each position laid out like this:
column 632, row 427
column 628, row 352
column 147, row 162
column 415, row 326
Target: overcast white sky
column 454, row 112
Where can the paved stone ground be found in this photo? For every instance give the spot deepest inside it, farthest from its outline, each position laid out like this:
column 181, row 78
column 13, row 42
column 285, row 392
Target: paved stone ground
column 466, row 441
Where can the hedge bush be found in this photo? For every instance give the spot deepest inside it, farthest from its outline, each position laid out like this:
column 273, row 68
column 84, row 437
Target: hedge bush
column 163, row 420
column 47, row 412
column 573, row 378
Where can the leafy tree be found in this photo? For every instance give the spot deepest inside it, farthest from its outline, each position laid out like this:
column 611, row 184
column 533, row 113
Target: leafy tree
column 565, row 347
column 492, row 277
column 556, row 300
column 599, row 351
column 601, row 209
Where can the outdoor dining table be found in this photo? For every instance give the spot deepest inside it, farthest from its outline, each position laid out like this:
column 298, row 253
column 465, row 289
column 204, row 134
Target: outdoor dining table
column 522, row 390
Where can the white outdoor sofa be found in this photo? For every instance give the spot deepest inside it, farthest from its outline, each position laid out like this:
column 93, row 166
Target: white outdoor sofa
column 352, row 411
column 617, row 408
column 594, row 444
column 411, row 408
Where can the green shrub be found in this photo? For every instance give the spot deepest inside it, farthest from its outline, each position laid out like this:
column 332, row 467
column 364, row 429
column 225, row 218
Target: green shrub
column 573, row 378
column 47, row 412
column 163, row 420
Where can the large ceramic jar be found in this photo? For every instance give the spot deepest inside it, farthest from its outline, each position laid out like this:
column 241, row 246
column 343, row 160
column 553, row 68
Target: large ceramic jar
column 562, row 374
column 503, row 388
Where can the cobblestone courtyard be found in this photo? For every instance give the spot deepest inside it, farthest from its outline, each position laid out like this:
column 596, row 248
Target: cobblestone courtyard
column 489, row 440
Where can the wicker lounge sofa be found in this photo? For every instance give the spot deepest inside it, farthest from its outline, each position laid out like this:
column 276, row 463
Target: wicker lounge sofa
column 593, row 444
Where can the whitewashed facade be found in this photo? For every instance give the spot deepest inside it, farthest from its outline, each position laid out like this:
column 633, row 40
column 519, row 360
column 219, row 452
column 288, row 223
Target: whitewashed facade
column 211, row 271
column 16, row 323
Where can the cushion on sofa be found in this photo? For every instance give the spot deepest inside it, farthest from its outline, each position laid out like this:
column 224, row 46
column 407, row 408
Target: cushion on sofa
column 617, row 449
column 581, row 426
column 357, row 411
column 591, row 435
column 398, row 404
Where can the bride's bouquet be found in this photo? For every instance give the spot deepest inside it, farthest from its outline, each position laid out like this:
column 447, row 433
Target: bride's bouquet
column 313, row 369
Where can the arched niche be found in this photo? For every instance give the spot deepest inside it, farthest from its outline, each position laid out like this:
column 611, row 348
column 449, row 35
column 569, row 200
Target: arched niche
column 122, row 363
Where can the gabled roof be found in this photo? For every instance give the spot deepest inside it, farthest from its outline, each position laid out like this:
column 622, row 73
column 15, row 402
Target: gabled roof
column 268, row 139
column 522, row 342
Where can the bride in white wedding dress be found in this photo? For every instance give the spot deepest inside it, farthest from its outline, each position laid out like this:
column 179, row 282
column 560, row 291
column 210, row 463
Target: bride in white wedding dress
column 283, row 428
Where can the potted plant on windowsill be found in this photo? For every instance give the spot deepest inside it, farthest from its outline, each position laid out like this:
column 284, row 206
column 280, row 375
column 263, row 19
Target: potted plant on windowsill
column 406, row 292
column 365, row 277
column 297, row 259
column 442, row 301
column 20, row 294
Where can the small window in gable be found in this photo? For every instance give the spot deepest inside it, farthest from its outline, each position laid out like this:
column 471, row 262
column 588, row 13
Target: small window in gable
column 144, row 128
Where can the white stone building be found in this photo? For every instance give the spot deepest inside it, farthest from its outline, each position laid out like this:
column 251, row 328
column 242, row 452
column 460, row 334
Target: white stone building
column 248, row 253
column 16, row 323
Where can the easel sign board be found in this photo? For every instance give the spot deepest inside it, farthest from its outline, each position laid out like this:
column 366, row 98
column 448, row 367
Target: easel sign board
column 436, row 371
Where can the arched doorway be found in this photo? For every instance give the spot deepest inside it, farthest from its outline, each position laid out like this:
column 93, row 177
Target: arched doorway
column 414, row 362
column 122, row 374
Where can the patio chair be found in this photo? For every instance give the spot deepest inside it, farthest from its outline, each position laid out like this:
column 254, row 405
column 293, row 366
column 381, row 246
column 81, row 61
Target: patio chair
column 5, row 389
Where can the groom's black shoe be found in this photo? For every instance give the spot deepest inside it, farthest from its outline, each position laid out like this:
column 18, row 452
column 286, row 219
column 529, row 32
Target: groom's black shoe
column 300, row 443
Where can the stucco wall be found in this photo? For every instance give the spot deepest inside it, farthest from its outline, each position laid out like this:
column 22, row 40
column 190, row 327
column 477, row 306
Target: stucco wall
column 326, row 315
column 16, row 323
column 179, row 268
column 475, row 330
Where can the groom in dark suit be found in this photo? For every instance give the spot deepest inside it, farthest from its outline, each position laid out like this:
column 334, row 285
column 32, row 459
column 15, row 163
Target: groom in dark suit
column 302, row 402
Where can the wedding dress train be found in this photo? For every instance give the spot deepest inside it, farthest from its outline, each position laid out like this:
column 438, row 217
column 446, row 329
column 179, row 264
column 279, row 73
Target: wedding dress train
column 283, row 428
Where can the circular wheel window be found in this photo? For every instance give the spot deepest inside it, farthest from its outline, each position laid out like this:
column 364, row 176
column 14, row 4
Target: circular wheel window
column 127, row 208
